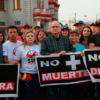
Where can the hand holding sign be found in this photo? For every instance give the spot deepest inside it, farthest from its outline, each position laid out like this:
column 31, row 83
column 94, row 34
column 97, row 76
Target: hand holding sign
column 62, row 53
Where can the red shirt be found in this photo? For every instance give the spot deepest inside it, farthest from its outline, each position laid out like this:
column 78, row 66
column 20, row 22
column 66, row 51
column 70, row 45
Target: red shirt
column 20, row 39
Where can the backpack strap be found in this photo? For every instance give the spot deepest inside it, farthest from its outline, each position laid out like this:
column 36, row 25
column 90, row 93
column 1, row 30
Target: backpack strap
column 22, row 38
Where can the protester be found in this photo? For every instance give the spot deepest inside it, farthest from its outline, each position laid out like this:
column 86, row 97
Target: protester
column 26, row 53
column 10, row 46
column 93, row 28
column 73, row 36
column 56, row 44
column 43, row 90
column 41, row 35
column 79, row 25
column 95, row 44
column 25, row 28
column 85, row 37
column 65, row 30
column 2, row 38
column 36, row 29
column 1, row 61
column 88, row 88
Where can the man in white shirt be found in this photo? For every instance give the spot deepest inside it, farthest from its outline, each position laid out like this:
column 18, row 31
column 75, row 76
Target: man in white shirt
column 10, row 46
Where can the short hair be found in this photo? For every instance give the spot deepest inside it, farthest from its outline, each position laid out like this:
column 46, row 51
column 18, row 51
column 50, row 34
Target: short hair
column 56, row 22
column 12, row 26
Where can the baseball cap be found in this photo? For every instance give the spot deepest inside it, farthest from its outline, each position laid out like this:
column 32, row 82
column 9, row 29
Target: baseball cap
column 74, row 31
column 65, row 27
column 26, row 24
column 97, row 22
column 92, row 24
column 79, row 22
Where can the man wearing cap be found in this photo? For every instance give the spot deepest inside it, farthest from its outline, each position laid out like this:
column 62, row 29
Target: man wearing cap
column 56, row 44
column 95, row 44
column 93, row 28
column 36, row 29
column 79, row 25
column 25, row 28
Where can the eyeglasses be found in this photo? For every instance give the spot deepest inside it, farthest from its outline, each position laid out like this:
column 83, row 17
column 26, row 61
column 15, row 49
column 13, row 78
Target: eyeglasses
column 55, row 26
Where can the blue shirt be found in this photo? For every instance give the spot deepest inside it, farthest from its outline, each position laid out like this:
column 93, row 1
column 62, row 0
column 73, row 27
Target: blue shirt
column 79, row 47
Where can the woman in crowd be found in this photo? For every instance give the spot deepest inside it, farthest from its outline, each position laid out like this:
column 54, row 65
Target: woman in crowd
column 41, row 35
column 43, row 90
column 2, row 39
column 88, row 88
column 85, row 38
column 26, row 53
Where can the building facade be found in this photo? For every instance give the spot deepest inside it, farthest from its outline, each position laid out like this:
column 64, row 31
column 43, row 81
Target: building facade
column 34, row 12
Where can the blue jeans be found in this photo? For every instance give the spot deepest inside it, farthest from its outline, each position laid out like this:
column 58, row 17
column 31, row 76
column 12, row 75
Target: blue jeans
column 62, row 92
column 31, row 89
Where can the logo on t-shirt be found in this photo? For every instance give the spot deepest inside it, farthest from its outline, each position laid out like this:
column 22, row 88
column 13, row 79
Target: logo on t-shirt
column 31, row 57
column 14, row 50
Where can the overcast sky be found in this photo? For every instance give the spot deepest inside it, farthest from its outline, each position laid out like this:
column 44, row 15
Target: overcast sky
column 82, row 7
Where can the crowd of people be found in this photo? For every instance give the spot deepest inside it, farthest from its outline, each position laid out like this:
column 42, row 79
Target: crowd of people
column 30, row 42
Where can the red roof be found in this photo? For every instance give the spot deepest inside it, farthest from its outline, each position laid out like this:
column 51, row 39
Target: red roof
column 42, row 19
column 54, row 3
column 43, row 14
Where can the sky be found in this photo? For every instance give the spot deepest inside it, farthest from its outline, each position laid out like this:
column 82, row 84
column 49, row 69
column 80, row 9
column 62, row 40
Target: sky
column 68, row 8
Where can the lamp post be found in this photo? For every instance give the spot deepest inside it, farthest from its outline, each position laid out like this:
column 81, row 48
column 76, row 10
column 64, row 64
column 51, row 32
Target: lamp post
column 70, row 20
column 75, row 17
column 97, row 16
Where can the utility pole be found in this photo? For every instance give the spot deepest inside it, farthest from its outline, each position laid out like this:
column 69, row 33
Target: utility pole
column 97, row 16
column 75, row 17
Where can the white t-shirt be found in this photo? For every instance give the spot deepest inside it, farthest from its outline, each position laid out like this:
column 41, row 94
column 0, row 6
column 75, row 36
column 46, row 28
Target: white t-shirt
column 9, row 49
column 27, row 56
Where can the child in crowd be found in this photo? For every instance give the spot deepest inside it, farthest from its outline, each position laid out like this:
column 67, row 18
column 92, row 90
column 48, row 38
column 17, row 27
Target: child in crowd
column 74, row 36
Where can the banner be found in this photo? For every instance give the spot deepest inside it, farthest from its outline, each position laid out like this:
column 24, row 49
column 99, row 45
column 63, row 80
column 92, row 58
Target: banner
column 9, row 80
column 60, row 70
column 92, row 63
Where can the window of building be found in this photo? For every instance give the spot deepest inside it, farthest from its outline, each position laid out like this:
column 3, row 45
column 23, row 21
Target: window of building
column 17, row 22
column 2, row 23
column 16, row 4
column 1, row 4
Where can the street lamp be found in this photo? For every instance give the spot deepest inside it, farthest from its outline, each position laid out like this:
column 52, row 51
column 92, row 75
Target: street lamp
column 70, row 16
column 97, row 16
